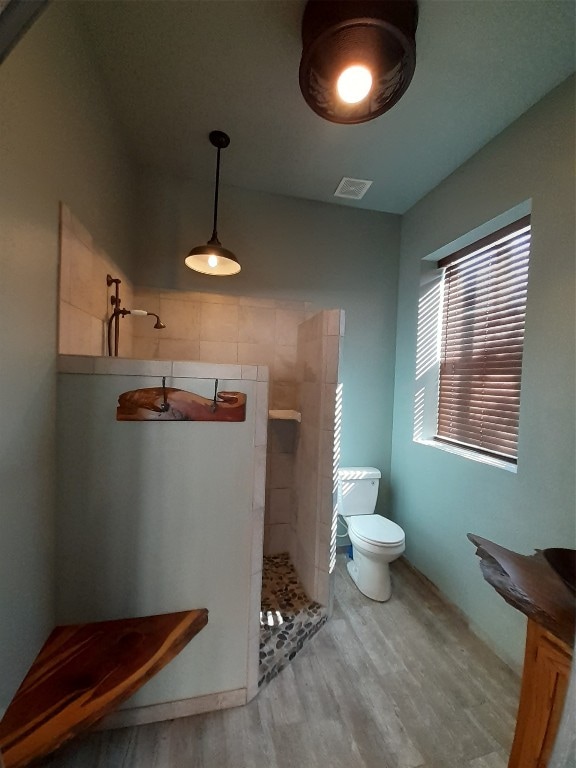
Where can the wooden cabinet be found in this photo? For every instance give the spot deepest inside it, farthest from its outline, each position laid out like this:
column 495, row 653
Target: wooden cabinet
column 541, row 586
column 544, row 683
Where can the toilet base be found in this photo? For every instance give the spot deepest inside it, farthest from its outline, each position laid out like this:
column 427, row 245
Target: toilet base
column 371, row 577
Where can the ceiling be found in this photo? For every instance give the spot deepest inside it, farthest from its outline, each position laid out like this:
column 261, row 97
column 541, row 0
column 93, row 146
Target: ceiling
column 176, row 70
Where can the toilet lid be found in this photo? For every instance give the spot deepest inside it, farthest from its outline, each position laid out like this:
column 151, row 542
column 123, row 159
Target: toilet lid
column 376, row 529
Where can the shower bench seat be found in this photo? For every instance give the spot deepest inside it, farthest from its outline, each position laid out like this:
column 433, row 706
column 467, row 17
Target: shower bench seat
column 85, row 671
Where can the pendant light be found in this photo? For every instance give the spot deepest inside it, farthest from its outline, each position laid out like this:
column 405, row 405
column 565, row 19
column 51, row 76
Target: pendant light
column 358, row 56
column 212, row 258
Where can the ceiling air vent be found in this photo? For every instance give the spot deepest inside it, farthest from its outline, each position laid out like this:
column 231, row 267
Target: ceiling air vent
column 353, row 189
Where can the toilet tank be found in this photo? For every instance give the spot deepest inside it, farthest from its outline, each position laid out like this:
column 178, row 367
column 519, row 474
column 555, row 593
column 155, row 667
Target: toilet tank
column 357, row 490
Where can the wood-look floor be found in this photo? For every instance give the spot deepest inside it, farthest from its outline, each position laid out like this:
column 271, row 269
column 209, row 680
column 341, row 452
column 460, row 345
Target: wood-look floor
column 397, row 685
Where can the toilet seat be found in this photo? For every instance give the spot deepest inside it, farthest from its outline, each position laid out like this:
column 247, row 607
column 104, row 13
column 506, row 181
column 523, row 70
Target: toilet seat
column 376, row 530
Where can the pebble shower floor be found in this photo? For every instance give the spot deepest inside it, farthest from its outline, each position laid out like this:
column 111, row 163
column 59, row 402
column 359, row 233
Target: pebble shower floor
column 288, row 618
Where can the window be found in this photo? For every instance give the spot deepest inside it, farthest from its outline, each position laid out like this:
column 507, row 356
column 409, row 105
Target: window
column 482, row 337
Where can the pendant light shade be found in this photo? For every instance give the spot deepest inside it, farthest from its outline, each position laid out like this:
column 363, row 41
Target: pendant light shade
column 358, row 56
column 213, row 258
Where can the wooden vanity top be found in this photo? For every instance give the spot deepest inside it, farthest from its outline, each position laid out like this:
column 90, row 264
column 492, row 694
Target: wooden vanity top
column 85, row 671
column 531, row 585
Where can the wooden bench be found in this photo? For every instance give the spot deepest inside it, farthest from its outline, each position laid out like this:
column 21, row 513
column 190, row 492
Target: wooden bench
column 85, row 671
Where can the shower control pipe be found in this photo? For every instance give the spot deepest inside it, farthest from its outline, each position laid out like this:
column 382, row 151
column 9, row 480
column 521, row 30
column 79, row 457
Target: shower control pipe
column 115, row 301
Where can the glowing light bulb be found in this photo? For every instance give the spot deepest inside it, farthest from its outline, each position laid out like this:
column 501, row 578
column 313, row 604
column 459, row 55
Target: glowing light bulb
column 212, row 261
column 354, row 84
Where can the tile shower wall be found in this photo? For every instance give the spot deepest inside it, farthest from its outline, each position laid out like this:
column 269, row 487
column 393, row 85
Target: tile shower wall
column 216, row 328
column 313, row 529
column 84, row 303
column 280, row 489
column 204, row 327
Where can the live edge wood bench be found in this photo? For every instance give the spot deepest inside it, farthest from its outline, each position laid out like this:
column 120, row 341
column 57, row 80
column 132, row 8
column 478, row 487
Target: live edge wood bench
column 82, row 673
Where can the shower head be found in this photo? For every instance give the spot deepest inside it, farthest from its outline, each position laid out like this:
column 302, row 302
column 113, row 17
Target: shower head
column 158, row 324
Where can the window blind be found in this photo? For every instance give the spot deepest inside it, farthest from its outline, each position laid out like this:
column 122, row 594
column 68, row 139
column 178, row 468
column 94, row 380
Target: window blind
column 485, row 289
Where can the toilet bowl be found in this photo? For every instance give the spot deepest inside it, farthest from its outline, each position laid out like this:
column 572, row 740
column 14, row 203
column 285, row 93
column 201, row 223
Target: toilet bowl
column 376, row 541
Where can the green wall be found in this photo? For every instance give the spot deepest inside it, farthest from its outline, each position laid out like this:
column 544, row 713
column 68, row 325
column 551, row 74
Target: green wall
column 56, row 143
column 333, row 256
column 439, row 497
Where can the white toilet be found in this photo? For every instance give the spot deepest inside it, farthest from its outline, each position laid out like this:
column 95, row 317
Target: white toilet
column 376, row 541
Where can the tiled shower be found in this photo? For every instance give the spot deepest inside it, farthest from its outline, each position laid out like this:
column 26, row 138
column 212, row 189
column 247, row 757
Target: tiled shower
column 299, row 343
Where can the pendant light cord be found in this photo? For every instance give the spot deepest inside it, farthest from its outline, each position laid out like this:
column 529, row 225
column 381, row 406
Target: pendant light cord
column 214, row 237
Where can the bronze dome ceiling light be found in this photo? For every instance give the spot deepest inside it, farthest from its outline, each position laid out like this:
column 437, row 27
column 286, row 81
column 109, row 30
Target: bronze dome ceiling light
column 358, row 56
column 213, row 258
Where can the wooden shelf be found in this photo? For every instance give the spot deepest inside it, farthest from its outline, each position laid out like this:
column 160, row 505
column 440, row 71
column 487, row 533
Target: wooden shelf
column 85, row 671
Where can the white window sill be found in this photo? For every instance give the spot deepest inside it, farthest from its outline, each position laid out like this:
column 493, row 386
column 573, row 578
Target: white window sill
column 467, row 453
